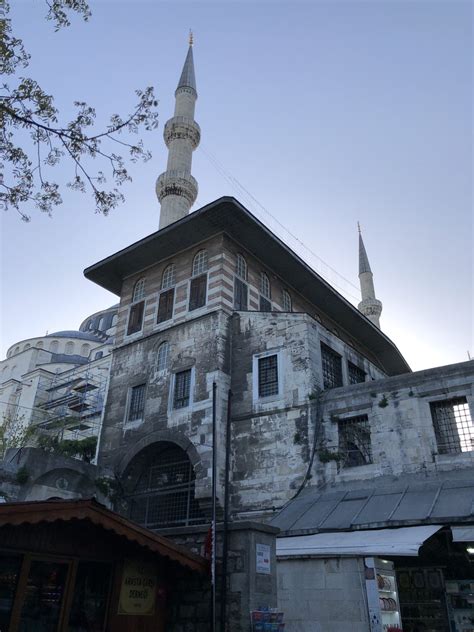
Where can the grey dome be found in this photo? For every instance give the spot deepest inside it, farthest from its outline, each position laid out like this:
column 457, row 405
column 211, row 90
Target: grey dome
column 81, row 335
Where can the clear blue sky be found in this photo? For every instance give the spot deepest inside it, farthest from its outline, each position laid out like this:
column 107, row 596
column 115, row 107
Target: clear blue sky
column 326, row 112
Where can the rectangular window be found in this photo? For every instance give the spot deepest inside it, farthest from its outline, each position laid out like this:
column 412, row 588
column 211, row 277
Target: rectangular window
column 136, row 408
column 165, row 306
column 356, row 374
column 453, row 425
column 332, row 367
column 135, row 318
column 268, row 376
column 265, row 305
column 240, row 295
column 182, row 389
column 354, row 441
column 197, row 297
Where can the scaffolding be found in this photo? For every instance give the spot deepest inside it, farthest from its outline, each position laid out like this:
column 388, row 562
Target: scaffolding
column 69, row 405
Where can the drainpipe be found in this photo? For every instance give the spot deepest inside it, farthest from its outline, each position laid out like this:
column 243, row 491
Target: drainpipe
column 214, row 508
column 226, row 515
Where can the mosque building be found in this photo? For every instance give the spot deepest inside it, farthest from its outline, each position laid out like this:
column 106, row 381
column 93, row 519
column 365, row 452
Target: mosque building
column 322, row 431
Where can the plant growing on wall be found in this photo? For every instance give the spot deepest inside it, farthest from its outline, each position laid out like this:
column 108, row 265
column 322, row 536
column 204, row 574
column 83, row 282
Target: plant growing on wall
column 14, row 433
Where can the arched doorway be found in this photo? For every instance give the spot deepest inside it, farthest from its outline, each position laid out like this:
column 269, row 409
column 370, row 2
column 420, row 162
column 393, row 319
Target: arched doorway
column 160, row 482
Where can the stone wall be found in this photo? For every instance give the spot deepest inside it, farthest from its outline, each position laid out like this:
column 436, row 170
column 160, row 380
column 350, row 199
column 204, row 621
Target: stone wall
column 246, row 589
column 322, row 595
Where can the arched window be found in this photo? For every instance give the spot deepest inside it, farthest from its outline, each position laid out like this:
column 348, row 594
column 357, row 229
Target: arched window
column 139, row 291
column 114, row 320
column 53, row 347
column 198, row 288
column 17, row 349
column 200, row 263
column 162, row 482
column 162, row 359
column 135, row 318
column 69, row 350
column 27, row 346
column 98, row 355
column 85, row 350
column 89, row 324
column 39, row 344
column 168, row 278
column 100, row 326
column 265, row 304
column 241, row 267
column 287, row 307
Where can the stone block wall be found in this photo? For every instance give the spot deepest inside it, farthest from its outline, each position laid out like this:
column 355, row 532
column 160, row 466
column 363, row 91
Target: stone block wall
column 322, row 595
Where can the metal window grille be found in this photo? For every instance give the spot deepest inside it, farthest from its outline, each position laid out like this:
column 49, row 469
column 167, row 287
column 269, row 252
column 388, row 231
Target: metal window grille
column 182, row 389
column 453, row 425
column 164, row 493
column 286, row 301
column 332, row 367
column 356, row 374
column 139, row 291
column 162, row 360
column 168, row 278
column 137, row 403
column 200, row 263
column 268, row 376
column 264, row 285
column 354, row 441
column 241, row 268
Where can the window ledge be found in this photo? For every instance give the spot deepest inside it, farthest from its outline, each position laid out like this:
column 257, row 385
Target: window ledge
column 358, row 472
column 456, row 459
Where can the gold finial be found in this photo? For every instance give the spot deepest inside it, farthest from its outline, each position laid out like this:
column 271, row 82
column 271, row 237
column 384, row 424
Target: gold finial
column 358, row 227
column 191, row 37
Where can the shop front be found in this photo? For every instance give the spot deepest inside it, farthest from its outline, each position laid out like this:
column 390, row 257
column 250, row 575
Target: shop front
column 76, row 566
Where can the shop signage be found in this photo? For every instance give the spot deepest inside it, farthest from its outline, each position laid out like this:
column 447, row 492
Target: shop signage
column 138, row 588
column 263, row 559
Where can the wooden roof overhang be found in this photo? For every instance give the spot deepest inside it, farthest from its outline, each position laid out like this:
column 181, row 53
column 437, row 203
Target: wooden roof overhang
column 37, row 512
column 226, row 215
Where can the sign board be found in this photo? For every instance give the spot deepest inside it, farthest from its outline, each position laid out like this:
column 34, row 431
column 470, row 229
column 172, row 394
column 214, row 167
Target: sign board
column 138, row 588
column 263, row 559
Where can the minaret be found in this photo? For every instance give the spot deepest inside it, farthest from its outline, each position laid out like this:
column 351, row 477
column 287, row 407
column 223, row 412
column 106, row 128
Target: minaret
column 369, row 306
column 176, row 188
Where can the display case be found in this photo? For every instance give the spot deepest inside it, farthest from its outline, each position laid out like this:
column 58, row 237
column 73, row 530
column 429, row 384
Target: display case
column 382, row 596
column 460, row 602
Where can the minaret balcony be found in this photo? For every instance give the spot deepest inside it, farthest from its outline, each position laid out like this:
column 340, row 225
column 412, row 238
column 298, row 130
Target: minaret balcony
column 178, row 183
column 183, row 128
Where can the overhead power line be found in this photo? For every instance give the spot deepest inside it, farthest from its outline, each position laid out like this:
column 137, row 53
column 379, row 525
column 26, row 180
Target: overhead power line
column 324, row 269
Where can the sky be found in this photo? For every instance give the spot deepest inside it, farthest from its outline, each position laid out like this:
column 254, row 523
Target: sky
column 315, row 115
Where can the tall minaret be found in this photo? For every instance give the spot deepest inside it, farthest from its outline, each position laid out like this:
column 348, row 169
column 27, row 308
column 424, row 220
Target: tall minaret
column 369, row 306
column 176, row 188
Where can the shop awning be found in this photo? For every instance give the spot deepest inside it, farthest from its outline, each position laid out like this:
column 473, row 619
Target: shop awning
column 463, row 534
column 404, row 541
column 89, row 510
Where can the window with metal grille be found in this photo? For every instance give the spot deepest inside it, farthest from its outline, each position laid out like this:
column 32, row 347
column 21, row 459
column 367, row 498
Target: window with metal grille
column 197, row 292
column 136, row 406
column 241, row 267
column 332, row 367
column 268, row 376
column 356, row 374
column 168, row 278
column 240, row 295
column 287, row 307
column 139, row 291
column 264, row 285
column 182, row 389
column 162, row 359
column 165, row 305
column 354, row 441
column 135, row 318
column 164, row 492
column 453, row 425
column 200, row 263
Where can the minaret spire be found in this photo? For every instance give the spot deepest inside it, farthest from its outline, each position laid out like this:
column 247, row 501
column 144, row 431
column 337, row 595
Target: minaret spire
column 369, row 306
column 176, row 188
